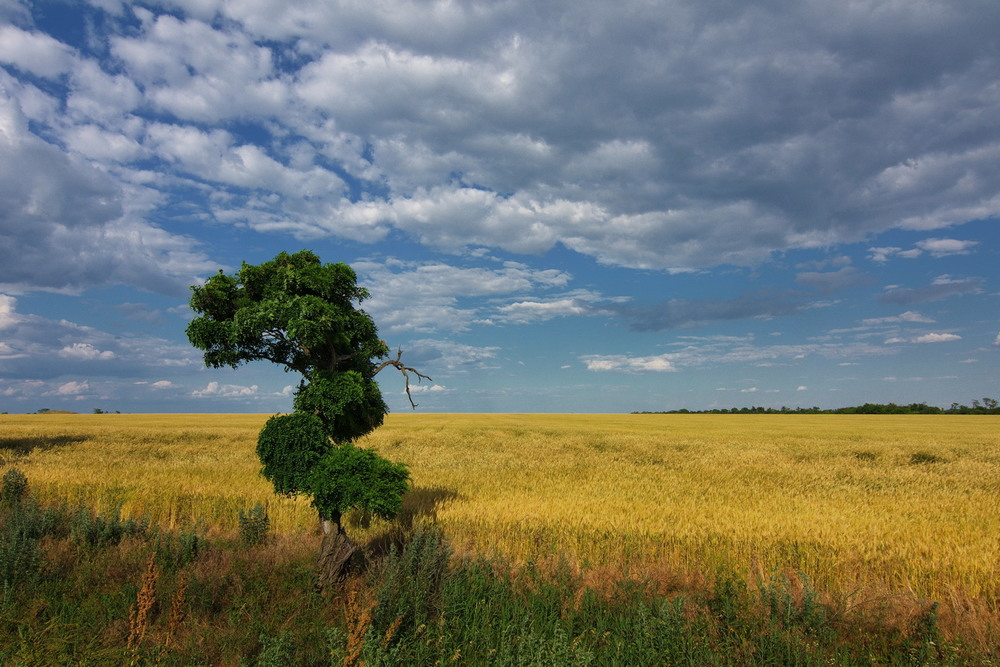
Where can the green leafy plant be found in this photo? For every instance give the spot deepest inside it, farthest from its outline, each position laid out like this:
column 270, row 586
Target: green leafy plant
column 254, row 524
column 92, row 529
column 15, row 487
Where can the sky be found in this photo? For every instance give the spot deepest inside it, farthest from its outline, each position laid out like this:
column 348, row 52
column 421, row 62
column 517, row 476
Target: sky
column 560, row 206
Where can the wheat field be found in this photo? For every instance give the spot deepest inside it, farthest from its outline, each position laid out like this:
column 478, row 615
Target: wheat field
column 856, row 502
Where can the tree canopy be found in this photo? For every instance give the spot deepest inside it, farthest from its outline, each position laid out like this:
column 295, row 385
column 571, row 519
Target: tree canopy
column 298, row 313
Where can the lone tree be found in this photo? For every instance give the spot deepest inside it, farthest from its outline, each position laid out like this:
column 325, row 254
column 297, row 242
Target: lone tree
column 302, row 314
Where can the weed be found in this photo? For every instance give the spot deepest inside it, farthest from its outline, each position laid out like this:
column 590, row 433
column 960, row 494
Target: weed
column 141, row 613
column 728, row 601
column 177, row 549
column 15, row 487
column 927, row 636
column 23, row 526
column 20, row 558
column 276, row 651
column 254, row 525
column 106, row 528
column 178, row 609
column 410, row 594
column 358, row 617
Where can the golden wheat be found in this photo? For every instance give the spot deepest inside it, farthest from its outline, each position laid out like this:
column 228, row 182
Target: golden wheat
column 905, row 503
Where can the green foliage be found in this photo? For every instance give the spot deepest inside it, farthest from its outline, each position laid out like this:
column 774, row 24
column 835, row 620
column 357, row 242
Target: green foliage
column 292, row 310
column 23, row 526
column 350, row 477
column 927, row 637
column 177, row 549
column 301, row 314
column 728, row 600
column 411, row 591
column 348, row 404
column 20, row 555
column 482, row 612
column 289, row 447
column 254, row 525
column 277, row 651
column 805, row 613
column 15, row 486
column 106, row 528
column 335, row 639
column 299, row 458
column 33, row 520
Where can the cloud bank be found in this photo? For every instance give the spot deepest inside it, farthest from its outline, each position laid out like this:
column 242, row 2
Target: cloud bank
column 670, row 136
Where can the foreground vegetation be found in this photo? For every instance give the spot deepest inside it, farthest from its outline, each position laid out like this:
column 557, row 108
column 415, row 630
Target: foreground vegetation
column 570, row 540
column 85, row 589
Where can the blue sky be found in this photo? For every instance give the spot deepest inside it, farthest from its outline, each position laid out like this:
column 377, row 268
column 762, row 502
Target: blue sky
column 557, row 207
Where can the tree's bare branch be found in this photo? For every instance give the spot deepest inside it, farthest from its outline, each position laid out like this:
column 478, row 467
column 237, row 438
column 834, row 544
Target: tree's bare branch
column 405, row 370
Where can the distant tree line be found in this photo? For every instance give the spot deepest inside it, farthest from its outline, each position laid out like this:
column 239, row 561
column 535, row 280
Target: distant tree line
column 985, row 406
column 97, row 411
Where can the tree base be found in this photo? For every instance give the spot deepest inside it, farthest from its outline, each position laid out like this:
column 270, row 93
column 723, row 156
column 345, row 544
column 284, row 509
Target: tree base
column 339, row 557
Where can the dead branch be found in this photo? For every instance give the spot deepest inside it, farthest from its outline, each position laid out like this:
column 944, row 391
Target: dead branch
column 405, row 370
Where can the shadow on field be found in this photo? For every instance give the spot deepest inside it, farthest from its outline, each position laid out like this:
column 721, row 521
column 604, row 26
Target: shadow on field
column 420, row 504
column 23, row 446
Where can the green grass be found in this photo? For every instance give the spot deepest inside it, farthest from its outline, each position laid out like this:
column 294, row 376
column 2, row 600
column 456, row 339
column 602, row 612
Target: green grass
column 149, row 596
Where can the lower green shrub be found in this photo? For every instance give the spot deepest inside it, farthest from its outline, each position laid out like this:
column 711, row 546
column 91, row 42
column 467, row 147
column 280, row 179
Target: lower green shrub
column 254, row 524
column 15, row 487
column 20, row 558
column 106, row 528
column 177, row 549
column 24, row 525
column 276, row 651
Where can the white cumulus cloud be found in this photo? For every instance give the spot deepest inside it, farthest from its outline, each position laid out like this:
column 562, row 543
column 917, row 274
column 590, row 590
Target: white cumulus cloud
column 8, row 316
column 945, row 247
column 34, row 52
column 65, row 225
column 624, row 364
column 72, row 388
column 937, row 338
column 86, row 352
column 907, row 317
column 217, row 390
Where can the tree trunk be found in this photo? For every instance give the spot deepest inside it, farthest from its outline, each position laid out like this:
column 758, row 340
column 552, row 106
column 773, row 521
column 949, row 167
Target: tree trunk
column 339, row 556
